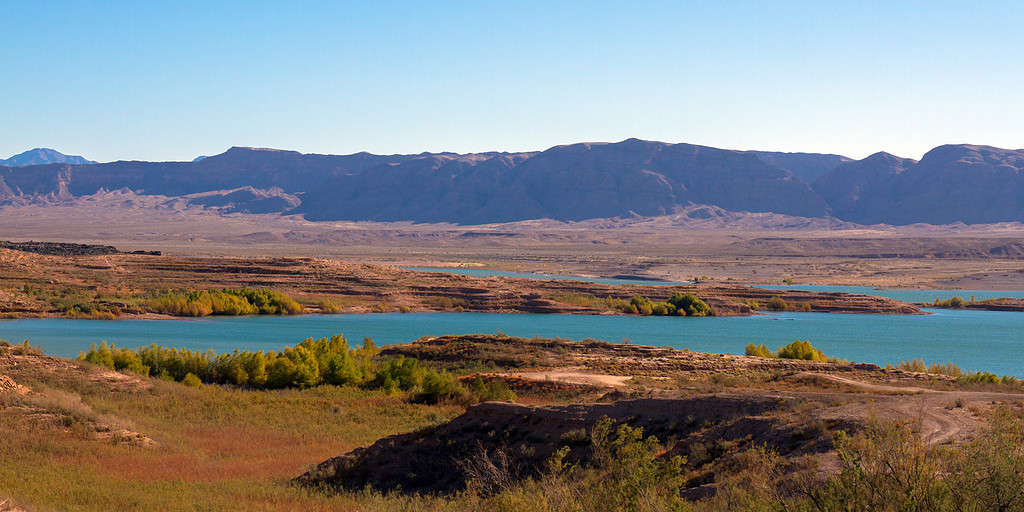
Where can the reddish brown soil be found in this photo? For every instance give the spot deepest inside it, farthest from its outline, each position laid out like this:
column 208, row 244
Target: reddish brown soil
column 363, row 287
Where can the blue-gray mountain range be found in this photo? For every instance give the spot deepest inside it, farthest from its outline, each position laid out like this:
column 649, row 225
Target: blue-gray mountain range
column 951, row 183
column 40, row 156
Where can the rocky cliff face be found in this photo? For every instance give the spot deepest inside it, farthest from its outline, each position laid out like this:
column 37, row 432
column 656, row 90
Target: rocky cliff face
column 579, row 181
column 972, row 184
column 860, row 189
column 806, row 166
column 952, row 183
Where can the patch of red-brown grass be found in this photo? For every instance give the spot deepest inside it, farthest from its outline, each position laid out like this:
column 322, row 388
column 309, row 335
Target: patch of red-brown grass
column 211, row 454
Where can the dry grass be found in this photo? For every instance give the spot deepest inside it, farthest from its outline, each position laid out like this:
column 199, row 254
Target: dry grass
column 216, row 448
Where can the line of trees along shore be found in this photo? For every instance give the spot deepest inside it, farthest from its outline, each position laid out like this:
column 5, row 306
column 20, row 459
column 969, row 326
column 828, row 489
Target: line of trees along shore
column 311, row 363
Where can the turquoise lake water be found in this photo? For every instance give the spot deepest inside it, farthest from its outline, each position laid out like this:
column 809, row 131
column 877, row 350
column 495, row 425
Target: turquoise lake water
column 974, row 340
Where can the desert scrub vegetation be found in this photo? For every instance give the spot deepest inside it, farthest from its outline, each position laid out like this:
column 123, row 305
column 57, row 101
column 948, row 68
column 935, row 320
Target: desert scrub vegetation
column 961, row 377
column 777, row 304
column 446, row 303
column 919, row 366
column 608, row 303
column 799, row 349
column 892, row 467
column 78, row 303
column 677, row 305
column 955, row 302
column 224, row 302
column 314, row 362
column 22, row 349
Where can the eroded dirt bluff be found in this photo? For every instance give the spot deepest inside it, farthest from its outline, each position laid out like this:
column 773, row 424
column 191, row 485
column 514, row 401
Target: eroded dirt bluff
column 365, row 287
column 793, row 407
column 520, row 438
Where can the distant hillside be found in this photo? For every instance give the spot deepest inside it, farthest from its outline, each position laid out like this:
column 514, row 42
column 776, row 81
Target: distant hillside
column 39, row 156
column 951, row 183
column 806, row 166
column 972, row 184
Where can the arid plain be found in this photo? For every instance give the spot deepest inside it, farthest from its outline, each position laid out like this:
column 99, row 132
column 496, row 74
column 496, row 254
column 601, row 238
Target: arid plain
column 706, row 242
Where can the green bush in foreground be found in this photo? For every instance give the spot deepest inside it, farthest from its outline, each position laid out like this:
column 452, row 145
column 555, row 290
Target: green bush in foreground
column 799, row 349
column 224, row 302
column 311, row 363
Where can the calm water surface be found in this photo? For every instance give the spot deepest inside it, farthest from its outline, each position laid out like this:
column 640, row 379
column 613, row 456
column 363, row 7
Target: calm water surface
column 976, row 340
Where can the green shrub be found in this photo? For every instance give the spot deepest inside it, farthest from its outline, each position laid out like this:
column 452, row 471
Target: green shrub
column 955, row 302
column 191, row 380
column 919, row 366
column 802, row 350
column 401, row 373
column 988, row 378
column 438, row 387
column 224, row 302
column 759, row 351
column 777, row 304
column 689, row 305
column 494, row 389
column 329, row 308
column 590, row 301
column 310, row 363
column 641, row 305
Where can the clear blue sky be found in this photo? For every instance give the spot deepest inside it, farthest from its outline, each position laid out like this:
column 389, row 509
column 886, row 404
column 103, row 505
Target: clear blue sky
column 172, row 80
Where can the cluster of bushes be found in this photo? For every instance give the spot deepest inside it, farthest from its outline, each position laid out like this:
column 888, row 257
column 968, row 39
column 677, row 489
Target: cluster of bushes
column 799, row 349
column 988, row 378
column 310, row 363
column 677, row 305
column 952, row 370
column 224, row 302
column 590, row 301
column 777, row 304
column 955, row 302
column 919, row 366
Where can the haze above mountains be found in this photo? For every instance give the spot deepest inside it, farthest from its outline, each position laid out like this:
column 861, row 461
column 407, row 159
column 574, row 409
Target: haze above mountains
column 951, row 183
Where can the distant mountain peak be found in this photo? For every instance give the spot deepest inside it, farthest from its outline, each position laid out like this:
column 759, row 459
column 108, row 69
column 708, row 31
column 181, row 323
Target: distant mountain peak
column 40, row 156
